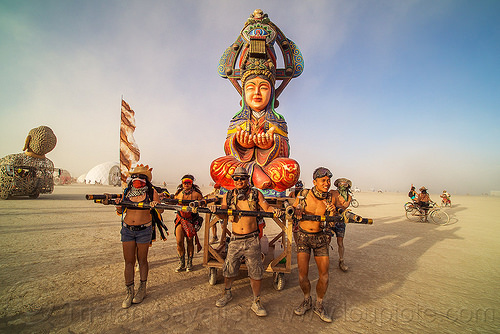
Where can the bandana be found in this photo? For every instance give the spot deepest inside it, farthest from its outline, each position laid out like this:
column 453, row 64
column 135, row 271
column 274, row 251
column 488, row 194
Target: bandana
column 137, row 191
column 242, row 194
column 344, row 192
column 138, row 183
column 319, row 194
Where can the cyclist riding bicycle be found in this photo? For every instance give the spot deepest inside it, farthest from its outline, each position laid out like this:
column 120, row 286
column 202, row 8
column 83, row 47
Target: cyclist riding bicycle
column 423, row 200
column 446, row 198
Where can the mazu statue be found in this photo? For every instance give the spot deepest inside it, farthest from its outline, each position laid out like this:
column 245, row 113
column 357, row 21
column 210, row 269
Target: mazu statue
column 257, row 137
column 29, row 173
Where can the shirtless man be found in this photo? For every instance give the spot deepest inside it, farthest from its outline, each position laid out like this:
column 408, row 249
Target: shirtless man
column 317, row 201
column 244, row 238
column 187, row 223
column 341, row 199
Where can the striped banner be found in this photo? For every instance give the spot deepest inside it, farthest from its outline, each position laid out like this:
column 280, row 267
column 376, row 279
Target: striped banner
column 129, row 151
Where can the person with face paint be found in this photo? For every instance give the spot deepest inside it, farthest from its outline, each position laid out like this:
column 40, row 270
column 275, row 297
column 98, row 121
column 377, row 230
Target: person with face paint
column 341, row 199
column 137, row 230
column 187, row 224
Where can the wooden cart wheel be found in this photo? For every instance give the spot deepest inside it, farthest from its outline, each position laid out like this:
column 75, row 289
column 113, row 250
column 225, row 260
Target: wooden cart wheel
column 212, row 276
column 279, row 281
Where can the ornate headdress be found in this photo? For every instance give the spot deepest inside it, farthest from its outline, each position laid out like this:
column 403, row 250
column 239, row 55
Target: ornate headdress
column 255, row 50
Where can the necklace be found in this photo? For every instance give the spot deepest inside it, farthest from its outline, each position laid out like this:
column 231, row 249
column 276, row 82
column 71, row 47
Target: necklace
column 319, row 194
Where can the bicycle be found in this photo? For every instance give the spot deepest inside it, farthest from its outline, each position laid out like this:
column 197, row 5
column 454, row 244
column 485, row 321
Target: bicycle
column 434, row 214
column 445, row 202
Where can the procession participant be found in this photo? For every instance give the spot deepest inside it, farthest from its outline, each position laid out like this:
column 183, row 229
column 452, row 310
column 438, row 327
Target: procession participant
column 136, row 230
column 317, row 201
column 187, row 223
column 244, row 240
column 341, row 199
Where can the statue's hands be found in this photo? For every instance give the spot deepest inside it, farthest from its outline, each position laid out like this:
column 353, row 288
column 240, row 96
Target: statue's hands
column 265, row 140
column 244, row 138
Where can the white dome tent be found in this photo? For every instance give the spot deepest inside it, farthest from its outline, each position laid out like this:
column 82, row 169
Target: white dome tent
column 81, row 178
column 107, row 173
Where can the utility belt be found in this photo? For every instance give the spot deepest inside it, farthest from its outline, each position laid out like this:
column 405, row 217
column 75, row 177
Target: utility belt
column 236, row 236
column 136, row 228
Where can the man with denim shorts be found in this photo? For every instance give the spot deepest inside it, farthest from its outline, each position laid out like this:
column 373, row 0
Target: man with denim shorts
column 317, row 201
column 244, row 239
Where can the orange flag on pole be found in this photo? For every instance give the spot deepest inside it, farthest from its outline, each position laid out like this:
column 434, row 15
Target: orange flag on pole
column 129, row 151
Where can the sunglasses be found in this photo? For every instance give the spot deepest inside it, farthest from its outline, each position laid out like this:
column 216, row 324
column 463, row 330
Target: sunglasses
column 239, row 178
column 139, row 176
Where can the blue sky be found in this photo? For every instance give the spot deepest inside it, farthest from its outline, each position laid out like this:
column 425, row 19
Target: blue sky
column 393, row 92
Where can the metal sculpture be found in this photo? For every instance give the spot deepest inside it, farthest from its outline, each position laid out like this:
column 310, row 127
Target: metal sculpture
column 29, row 173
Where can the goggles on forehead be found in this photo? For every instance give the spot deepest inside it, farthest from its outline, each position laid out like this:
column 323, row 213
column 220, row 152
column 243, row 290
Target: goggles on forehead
column 187, row 181
column 322, row 172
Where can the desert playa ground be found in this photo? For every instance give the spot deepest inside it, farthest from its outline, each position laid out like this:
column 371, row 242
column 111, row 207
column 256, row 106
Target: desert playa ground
column 61, row 271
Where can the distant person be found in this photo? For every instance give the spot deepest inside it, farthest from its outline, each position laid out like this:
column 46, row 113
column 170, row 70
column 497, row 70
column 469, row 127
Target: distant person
column 424, row 200
column 412, row 193
column 137, row 230
column 445, row 198
column 187, row 224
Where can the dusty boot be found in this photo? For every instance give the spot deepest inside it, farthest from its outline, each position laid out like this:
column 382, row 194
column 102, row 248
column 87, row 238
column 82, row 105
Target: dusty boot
column 321, row 312
column 130, row 295
column 141, row 293
column 258, row 308
column 343, row 266
column 305, row 306
column 189, row 264
column 226, row 298
column 182, row 263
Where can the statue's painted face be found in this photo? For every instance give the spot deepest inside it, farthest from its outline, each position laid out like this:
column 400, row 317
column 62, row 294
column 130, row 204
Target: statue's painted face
column 257, row 93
